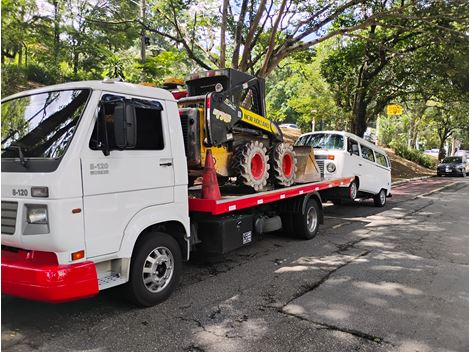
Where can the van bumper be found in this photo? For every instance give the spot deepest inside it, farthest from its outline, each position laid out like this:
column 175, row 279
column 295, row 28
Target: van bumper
column 31, row 275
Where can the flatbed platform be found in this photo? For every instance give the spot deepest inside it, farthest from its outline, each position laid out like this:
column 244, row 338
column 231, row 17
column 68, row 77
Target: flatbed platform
column 232, row 202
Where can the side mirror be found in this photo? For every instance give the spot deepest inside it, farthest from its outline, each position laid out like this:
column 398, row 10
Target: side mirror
column 125, row 131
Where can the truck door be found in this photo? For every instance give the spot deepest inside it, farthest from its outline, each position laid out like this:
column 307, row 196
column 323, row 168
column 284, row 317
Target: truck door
column 118, row 186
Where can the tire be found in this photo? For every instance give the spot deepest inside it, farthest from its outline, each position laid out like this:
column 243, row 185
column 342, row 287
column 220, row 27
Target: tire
column 250, row 163
column 283, row 164
column 352, row 191
column 307, row 223
column 141, row 288
column 380, row 198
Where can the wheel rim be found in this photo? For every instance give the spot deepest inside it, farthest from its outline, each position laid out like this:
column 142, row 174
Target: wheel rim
column 257, row 166
column 382, row 197
column 311, row 219
column 353, row 191
column 158, row 269
column 287, row 165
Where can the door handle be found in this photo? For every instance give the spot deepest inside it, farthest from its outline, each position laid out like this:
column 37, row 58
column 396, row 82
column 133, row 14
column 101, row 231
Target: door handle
column 166, row 164
column 360, row 164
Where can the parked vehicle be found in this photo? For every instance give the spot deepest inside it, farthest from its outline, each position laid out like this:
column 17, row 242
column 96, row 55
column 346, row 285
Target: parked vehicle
column 453, row 166
column 341, row 153
column 95, row 195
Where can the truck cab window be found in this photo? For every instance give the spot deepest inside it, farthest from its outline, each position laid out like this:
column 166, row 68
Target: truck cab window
column 149, row 129
column 148, row 125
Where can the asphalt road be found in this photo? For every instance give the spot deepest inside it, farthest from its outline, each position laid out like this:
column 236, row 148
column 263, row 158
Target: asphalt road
column 374, row 279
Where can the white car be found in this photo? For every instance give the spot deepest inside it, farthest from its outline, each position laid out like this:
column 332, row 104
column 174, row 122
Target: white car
column 343, row 154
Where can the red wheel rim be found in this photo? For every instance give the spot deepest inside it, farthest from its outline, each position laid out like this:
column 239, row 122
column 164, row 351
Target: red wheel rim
column 257, row 166
column 287, row 165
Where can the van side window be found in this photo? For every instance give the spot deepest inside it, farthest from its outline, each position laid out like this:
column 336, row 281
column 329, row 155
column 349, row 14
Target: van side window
column 148, row 123
column 381, row 159
column 367, row 153
column 353, row 147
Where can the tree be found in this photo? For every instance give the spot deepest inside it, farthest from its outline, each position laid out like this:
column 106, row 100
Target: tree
column 261, row 33
column 403, row 55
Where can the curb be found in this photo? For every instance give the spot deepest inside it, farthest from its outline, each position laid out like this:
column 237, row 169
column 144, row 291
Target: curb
column 396, row 183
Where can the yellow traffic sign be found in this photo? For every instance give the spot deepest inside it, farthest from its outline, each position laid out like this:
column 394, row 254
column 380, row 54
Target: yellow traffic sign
column 394, row 109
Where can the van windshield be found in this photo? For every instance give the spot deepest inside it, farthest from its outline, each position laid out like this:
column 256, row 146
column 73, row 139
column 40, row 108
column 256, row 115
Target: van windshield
column 41, row 125
column 322, row 141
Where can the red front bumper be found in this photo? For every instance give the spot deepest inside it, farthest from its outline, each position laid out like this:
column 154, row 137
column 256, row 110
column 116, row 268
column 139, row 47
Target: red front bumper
column 37, row 276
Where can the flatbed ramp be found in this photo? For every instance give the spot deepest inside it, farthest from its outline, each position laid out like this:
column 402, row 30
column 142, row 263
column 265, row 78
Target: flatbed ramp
column 232, row 202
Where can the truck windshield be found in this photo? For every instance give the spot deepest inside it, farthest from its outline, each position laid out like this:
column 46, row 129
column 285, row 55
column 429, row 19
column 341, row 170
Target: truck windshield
column 41, row 126
column 322, row 141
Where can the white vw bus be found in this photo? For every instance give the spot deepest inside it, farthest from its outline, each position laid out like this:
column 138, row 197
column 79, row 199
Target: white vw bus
column 342, row 154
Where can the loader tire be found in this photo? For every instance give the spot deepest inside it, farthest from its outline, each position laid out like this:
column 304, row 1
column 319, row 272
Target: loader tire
column 250, row 163
column 283, row 164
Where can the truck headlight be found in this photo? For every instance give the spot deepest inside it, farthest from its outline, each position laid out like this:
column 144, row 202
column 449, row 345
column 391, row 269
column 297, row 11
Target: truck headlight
column 331, row 167
column 36, row 214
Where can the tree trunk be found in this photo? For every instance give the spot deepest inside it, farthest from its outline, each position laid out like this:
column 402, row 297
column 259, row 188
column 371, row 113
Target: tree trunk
column 56, row 32
column 359, row 113
column 75, row 63
column 20, row 56
column 238, row 34
column 223, row 29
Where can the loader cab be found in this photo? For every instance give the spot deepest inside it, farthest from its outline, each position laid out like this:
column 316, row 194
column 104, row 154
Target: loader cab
column 251, row 97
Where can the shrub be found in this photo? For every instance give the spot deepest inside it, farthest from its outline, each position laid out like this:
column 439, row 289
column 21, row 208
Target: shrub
column 414, row 155
column 41, row 74
column 12, row 77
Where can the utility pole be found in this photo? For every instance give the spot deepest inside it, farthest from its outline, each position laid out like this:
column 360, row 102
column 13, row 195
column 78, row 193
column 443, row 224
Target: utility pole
column 142, row 36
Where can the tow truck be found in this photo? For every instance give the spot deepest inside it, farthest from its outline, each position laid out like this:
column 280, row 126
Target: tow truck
column 95, row 195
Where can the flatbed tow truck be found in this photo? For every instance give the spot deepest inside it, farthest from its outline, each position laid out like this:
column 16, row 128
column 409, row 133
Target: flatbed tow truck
column 95, row 195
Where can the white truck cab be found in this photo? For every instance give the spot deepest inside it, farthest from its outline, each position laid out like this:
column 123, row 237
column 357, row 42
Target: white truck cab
column 70, row 167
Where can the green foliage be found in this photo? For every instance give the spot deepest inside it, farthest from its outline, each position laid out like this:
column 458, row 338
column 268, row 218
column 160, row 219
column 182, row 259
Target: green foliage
column 414, row 155
column 41, row 74
column 12, row 77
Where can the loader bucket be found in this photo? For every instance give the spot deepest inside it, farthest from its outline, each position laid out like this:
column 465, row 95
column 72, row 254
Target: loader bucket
column 307, row 167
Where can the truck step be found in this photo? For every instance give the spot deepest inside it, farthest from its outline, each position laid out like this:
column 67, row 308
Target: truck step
column 110, row 279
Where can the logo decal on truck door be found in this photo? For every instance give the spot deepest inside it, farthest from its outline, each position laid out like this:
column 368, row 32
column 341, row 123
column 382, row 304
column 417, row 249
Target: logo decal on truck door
column 99, row 169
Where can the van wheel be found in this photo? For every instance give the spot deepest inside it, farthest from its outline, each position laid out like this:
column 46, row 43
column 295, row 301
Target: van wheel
column 380, row 198
column 306, row 224
column 352, row 190
column 155, row 269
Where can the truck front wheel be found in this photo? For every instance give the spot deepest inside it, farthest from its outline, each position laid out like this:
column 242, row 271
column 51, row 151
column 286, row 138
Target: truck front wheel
column 307, row 223
column 155, row 269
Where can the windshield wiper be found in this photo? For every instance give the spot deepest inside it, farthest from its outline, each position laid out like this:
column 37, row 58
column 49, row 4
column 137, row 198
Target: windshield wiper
column 20, row 153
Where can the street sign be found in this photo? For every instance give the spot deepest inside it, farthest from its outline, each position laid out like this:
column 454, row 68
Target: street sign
column 394, row 109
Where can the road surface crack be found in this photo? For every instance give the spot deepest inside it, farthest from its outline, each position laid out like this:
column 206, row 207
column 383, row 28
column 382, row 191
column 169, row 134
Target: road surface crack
column 308, row 288
column 324, row 326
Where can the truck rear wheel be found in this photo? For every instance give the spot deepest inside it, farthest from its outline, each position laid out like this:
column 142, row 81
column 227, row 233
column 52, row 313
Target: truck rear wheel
column 155, row 269
column 306, row 224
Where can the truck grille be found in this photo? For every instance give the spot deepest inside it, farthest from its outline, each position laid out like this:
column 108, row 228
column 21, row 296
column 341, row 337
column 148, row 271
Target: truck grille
column 9, row 211
column 321, row 166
